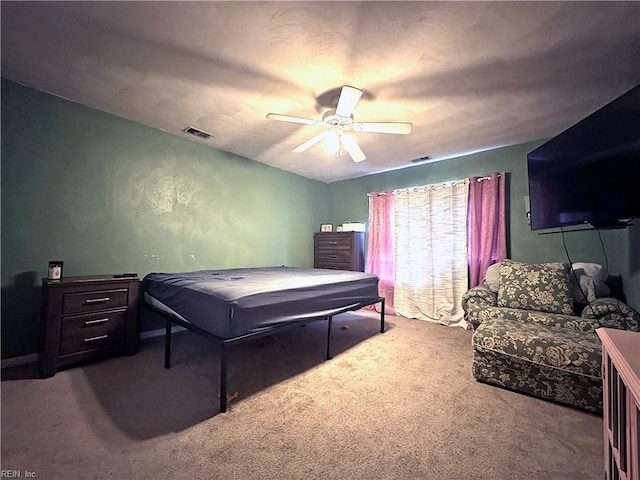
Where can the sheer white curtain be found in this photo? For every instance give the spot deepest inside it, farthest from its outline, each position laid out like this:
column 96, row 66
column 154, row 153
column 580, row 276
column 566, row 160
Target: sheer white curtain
column 430, row 252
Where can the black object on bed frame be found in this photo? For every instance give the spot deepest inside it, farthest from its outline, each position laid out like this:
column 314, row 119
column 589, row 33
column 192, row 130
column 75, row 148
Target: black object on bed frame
column 224, row 342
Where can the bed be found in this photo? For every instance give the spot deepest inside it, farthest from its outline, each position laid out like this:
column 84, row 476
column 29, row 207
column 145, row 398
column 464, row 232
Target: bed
column 232, row 306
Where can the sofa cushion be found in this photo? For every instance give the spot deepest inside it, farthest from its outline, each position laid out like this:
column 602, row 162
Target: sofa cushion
column 542, row 287
column 563, row 349
column 557, row 364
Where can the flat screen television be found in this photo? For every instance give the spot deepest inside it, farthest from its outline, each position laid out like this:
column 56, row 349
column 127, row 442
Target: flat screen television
column 590, row 173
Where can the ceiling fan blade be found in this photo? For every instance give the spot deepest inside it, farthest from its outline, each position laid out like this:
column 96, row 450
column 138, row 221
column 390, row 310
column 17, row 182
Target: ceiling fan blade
column 310, row 143
column 400, row 128
column 288, row 118
column 349, row 97
column 353, row 149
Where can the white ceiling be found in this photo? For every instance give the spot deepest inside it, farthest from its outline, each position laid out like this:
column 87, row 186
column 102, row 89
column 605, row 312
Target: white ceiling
column 470, row 76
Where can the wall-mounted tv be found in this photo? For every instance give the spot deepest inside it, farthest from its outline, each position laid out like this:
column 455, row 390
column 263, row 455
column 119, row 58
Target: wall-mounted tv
column 590, row 173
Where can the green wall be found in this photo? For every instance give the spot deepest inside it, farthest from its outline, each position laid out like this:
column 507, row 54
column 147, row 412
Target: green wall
column 107, row 195
column 348, row 201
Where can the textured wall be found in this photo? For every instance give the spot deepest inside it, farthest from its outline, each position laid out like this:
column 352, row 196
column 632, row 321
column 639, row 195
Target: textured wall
column 348, row 202
column 106, row 195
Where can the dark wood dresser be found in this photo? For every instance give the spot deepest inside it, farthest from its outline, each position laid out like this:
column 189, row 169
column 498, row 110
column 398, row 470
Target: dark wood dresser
column 84, row 318
column 339, row 250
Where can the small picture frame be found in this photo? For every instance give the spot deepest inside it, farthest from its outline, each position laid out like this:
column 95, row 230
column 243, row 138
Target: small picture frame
column 326, row 227
column 55, row 270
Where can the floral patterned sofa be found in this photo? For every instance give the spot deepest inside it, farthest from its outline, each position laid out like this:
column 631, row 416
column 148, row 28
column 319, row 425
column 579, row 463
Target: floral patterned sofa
column 527, row 337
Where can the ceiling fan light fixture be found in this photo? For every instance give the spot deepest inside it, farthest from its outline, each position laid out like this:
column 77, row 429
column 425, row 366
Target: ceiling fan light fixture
column 332, row 142
column 337, row 122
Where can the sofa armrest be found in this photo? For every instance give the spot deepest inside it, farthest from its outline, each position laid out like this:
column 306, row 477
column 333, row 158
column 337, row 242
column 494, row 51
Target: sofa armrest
column 476, row 299
column 610, row 312
column 480, row 296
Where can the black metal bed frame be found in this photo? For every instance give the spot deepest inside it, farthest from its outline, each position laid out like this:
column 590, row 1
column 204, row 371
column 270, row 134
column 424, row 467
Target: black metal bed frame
column 224, row 342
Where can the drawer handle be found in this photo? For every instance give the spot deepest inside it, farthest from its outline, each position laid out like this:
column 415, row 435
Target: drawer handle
column 332, row 256
column 333, row 243
column 97, row 300
column 93, row 339
column 93, row 322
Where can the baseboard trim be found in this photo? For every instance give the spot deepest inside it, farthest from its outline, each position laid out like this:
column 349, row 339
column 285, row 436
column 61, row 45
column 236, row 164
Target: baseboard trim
column 33, row 357
column 17, row 361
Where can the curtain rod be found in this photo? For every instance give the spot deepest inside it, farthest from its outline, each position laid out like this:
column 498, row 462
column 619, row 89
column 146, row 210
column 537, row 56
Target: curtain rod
column 433, row 186
column 479, row 179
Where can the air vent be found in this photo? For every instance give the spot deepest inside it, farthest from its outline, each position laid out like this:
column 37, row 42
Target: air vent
column 421, row 159
column 197, row 132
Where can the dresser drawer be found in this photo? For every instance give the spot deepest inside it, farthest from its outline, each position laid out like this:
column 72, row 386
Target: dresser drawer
column 328, row 241
column 333, row 256
column 82, row 332
column 95, row 300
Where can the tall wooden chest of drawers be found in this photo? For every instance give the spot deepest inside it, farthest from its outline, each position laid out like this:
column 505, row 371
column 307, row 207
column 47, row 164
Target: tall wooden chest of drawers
column 84, row 318
column 339, row 250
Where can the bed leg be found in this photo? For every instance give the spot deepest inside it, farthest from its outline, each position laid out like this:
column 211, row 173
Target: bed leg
column 329, row 322
column 382, row 316
column 167, row 344
column 223, row 378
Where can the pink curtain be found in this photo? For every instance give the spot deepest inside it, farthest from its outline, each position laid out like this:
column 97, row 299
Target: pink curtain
column 380, row 246
column 486, row 231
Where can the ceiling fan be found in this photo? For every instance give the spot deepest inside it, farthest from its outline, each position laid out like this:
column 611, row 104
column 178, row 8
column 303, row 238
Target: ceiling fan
column 339, row 121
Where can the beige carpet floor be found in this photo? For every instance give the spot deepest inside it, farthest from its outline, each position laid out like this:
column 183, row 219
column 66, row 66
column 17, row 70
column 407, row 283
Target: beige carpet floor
column 398, row 405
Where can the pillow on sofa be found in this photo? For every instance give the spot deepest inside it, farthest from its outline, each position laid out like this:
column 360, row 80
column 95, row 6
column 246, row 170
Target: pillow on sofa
column 492, row 277
column 543, row 287
column 587, row 282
